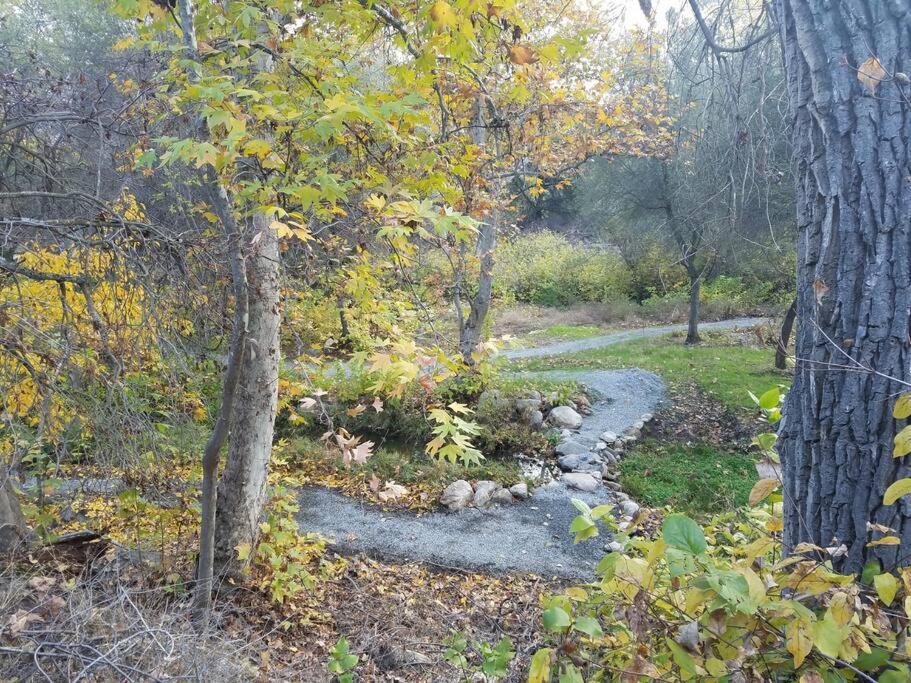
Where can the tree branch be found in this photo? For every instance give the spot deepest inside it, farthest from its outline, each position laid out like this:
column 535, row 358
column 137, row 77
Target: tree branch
column 710, row 36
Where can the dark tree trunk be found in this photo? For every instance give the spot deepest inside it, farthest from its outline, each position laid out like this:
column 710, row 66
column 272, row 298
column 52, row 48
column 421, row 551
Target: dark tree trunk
column 851, row 146
column 692, row 328
column 784, row 337
column 473, row 326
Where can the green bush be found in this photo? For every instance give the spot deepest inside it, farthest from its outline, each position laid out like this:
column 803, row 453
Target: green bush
column 545, row 268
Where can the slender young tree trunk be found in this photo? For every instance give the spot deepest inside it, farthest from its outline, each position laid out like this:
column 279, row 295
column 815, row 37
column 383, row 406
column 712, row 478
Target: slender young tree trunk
column 202, row 598
column 242, row 490
column 692, row 328
column 851, row 146
column 781, row 351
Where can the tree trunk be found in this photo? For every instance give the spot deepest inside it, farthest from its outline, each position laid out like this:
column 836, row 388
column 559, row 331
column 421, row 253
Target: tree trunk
column 473, row 326
column 13, row 530
column 242, row 490
column 781, row 351
column 692, row 329
column 851, row 146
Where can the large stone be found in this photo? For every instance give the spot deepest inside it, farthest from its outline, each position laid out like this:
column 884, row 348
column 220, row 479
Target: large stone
column 483, row 491
column 582, row 481
column 519, row 490
column 524, row 404
column 501, row 497
column 533, row 418
column 608, row 437
column 629, row 508
column 570, row 448
column 457, row 495
column 579, row 462
column 565, row 417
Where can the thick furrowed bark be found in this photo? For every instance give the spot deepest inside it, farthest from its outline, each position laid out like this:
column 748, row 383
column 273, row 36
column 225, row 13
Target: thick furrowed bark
column 853, row 274
column 242, row 490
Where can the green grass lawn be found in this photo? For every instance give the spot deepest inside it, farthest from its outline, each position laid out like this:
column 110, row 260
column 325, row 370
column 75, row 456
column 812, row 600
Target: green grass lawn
column 568, row 332
column 698, row 479
column 725, row 371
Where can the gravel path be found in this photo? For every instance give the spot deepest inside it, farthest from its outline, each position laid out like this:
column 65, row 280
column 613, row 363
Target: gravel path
column 590, row 343
column 529, row 536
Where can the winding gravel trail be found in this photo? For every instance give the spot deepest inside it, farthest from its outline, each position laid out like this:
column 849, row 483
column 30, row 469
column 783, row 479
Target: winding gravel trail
column 600, row 342
column 529, row 536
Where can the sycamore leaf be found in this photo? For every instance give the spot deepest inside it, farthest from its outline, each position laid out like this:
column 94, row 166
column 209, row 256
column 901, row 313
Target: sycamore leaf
column 896, row 490
column 362, row 452
column 280, row 229
column 871, row 73
column 391, row 492
column 374, row 483
column 442, row 14
column 761, row 490
column 520, row 54
column 377, row 404
column 356, row 410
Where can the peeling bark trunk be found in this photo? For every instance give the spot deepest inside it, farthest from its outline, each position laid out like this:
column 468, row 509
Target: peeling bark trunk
column 242, row 490
column 13, row 529
column 473, row 326
column 851, row 146
column 784, row 337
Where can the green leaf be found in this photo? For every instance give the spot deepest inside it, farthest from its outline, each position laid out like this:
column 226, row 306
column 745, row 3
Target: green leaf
column 539, row 669
column 871, row 569
column 570, row 674
column 886, row 587
column 681, row 532
column 682, row 658
column 589, row 626
column 770, row 399
column 555, row 619
column 896, row 490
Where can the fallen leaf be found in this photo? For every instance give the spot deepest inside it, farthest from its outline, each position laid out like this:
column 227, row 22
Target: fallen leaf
column 871, row 73
column 820, row 289
column 391, row 492
column 377, row 404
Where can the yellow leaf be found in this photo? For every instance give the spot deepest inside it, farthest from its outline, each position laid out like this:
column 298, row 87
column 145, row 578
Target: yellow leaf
column 885, row 540
column 442, row 14
column 761, row 489
column 539, row 670
column 520, row 54
column 886, row 587
column 902, row 407
column 812, row 677
column 871, row 73
column 799, row 642
column 896, row 490
column 280, row 229
column 902, row 443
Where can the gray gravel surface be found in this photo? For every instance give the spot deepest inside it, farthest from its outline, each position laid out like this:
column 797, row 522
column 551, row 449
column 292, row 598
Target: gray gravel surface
column 528, row 536
column 618, row 337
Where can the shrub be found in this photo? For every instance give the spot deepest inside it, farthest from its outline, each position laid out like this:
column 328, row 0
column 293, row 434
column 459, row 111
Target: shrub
column 545, row 268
